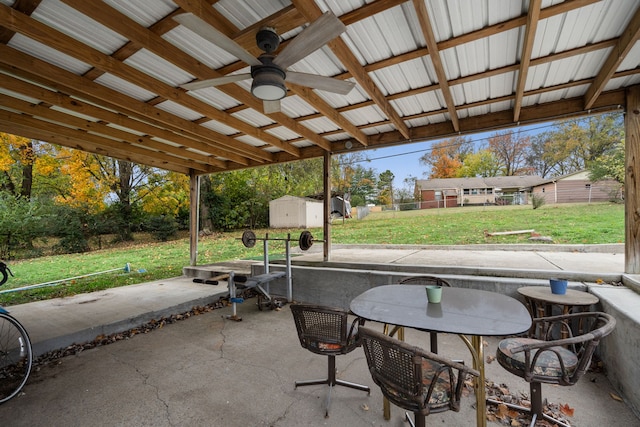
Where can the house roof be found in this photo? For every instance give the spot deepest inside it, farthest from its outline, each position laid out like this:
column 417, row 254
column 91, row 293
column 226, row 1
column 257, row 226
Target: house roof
column 503, row 182
column 107, row 79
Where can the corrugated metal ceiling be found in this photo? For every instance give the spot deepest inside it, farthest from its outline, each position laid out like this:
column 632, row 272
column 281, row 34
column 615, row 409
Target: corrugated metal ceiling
column 85, row 61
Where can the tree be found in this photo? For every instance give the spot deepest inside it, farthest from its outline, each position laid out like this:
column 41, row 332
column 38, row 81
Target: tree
column 385, row 188
column 446, row 157
column 406, row 195
column 574, row 145
column 511, row 149
column 483, row 163
column 609, row 165
column 349, row 176
column 541, row 159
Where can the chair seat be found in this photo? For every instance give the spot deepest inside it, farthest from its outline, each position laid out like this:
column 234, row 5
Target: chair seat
column 547, row 363
column 328, row 346
column 441, row 396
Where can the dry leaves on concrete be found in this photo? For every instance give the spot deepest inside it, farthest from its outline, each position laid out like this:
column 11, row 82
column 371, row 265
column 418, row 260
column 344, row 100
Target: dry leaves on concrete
column 504, row 415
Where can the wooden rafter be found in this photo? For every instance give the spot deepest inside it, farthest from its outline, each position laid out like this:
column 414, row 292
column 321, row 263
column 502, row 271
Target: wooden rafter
column 527, row 46
column 434, row 54
column 628, row 39
column 311, row 11
column 197, row 7
column 54, row 77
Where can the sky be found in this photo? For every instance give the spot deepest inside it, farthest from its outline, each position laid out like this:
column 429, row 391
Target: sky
column 404, row 160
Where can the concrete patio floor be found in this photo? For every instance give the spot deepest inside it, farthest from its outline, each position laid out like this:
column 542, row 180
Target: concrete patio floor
column 208, row 370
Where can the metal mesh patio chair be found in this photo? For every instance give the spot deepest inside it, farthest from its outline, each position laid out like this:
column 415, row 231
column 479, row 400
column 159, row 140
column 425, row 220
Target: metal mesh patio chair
column 423, row 281
column 411, row 378
column 327, row 331
column 546, row 359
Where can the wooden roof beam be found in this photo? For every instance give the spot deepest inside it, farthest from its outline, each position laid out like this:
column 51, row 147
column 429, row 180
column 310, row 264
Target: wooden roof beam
column 627, row 40
column 73, row 104
column 527, row 46
column 311, row 11
column 31, row 127
column 33, row 69
column 44, row 112
column 434, row 54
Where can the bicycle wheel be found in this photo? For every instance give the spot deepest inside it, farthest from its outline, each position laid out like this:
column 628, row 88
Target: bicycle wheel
column 16, row 357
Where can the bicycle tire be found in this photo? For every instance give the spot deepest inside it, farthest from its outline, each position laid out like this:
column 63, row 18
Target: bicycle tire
column 16, row 357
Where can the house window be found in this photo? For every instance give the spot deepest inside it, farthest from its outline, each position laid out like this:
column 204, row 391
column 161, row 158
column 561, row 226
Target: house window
column 474, row 191
column 543, row 189
column 465, row 191
column 438, row 195
column 587, row 186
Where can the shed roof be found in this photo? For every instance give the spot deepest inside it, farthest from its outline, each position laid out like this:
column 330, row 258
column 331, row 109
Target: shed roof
column 107, row 78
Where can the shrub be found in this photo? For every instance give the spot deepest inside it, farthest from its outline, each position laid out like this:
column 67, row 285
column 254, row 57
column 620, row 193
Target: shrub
column 162, row 227
column 537, row 200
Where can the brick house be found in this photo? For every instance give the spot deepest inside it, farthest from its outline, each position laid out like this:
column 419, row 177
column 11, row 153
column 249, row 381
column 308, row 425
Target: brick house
column 452, row 192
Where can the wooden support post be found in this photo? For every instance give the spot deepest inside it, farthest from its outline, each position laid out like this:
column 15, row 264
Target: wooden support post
column 632, row 181
column 327, row 205
column 194, row 217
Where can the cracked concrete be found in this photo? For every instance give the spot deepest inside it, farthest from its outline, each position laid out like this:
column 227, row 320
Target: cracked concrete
column 211, row 371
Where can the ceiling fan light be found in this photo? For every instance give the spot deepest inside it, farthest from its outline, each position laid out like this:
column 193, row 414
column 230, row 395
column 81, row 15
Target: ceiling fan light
column 268, row 86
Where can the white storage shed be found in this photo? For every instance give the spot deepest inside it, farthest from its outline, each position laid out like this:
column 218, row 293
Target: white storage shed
column 295, row 212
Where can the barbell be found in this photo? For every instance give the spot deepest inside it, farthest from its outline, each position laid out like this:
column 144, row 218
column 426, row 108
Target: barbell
column 305, row 241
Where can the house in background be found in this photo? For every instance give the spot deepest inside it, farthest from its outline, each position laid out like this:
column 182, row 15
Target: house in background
column 578, row 188
column 498, row 190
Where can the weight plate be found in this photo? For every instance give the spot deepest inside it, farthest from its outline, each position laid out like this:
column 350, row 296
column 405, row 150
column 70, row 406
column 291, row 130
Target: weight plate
column 306, row 240
column 248, row 239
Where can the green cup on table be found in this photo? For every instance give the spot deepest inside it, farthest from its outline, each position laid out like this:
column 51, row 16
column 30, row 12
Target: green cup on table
column 434, row 294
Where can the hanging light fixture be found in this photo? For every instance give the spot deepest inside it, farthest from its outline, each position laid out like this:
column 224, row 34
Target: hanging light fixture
column 268, row 80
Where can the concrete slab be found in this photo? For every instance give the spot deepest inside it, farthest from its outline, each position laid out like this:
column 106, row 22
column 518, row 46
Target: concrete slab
column 211, row 371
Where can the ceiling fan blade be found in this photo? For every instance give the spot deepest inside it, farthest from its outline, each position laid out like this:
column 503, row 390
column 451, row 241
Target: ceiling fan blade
column 206, row 31
column 314, row 81
column 271, row 106
column 218, row 81
column 312, row 38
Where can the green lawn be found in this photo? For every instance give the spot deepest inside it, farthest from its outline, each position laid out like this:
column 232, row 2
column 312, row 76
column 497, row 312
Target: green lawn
column 565, row 224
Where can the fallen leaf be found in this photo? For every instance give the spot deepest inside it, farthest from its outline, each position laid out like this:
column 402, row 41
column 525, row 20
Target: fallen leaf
column 365, row 407
column 615, row 397
column 567, row 410
column 490, row 359
column 503, row 411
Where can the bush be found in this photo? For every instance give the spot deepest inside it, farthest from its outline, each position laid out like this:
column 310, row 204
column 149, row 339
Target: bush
column 537, row 200
column 163, row 227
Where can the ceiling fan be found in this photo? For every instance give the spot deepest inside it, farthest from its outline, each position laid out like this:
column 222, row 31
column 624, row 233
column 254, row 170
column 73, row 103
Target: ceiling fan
column 269, row 71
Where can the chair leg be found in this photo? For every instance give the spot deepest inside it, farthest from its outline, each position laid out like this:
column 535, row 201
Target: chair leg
column 417, row 421
column 331, row 381
column 433, row 337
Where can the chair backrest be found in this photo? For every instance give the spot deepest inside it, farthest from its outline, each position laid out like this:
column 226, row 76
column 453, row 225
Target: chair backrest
column 596, row 325
column 424, row 281
column 411, row 378
column 325, row 330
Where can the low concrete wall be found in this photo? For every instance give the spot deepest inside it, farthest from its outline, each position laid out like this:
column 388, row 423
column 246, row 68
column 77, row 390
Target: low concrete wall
column 336, row 284
column 620, row 351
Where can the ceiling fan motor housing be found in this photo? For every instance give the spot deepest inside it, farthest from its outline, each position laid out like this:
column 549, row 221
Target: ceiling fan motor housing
column 268, row 79
column 267, row 39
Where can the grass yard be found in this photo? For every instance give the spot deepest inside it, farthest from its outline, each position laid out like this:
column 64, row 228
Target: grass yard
column 565, row 224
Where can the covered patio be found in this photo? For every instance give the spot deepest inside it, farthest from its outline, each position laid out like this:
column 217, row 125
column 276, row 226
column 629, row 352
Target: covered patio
column 111, row 79
column 209, row 370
